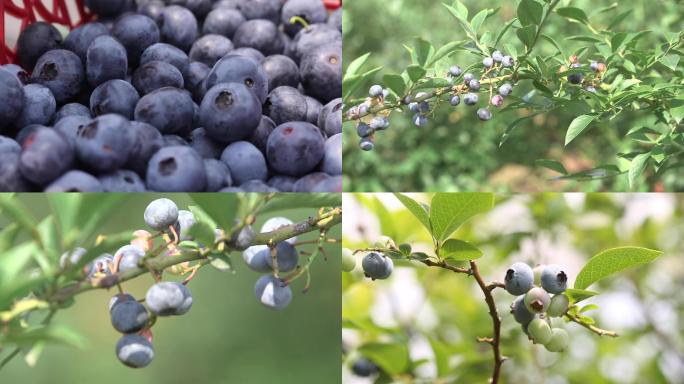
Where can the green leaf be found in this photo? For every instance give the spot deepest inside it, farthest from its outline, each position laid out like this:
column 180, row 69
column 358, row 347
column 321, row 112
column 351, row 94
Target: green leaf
column 577, row 295
column 444, row 51
column 422, row 51
column 478, row 19
column 284, row 201
column 611, row 261
column 573, row 13
column 449, row 210
column 415, row 72
column 15, row 260
column 7, row 236
column 54, row 333
column 577, row 126
column 419, row 256
column 203, row 233
column 526, row 35
column 65, row 207
column 92, row 211
column 670, row 61
column 551, row 164
column 441, row 356
column 221, row 261
column 221, row 207
column 393, row 358
column 459, row 10
column 356, row 65
column 589, row 307
column 637, row 167
column 395, row 83
column 454, row 249
column 416, row 209
column 530, row 12
column 17, row 212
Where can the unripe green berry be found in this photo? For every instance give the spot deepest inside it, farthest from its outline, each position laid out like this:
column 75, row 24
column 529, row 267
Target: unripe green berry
column 558, row 305
column 539, row 330
column 384, row 242
column 348, row 260
column 537, row 300
column 559, row 340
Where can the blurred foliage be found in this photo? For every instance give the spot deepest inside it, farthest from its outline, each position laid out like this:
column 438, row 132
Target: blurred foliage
column 227, row 336
column 434, row 315
column 456, row 151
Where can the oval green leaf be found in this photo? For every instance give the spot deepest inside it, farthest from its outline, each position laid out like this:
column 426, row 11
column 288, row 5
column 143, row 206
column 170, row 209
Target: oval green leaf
column 611, row 261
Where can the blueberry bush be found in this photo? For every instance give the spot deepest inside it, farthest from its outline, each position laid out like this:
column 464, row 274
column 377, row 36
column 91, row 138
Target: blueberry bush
column 475, row 288
column 46, row 264
column 582, row 97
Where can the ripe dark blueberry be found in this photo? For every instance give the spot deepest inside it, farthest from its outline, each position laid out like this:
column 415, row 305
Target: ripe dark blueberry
column 147, row 140
column 185, row 221
column 364, row 130
column 18, row 72
column 200, row 8
column 424, row 106
column 106, row 59
column 272, row 292
column 218, row 175
column 122, row 180
column 312, row 11
column 471, row 98
column 280, row 70
column 255, row 258
column 168, row 298
column 261, row 9
column 576, row 78
column 330, row 118
column 154, row 75
column 249, row 52
column 45, row 155
column 168, row 54
column 240, row 69
column 474, row 85
column 71, row 109
column 455, row 71
column 245, row 162
column 179, row 27
column 104, row 144
column 420, row 120
column 39, row 106
column 321, row 72
column 313, row 110
column 505, row 90
column 168, row 109
column 554, row 279
column 484, row 114
column 106, row 7
column 468, row 77
column 230, row 112
column 364, row 367
column 286, row 255
column 70, row 126
column 136, row 33
column 114, row 96
column 282, row 183
column 507, row 61
column 204, row 145
column 176, row 169
column 152, row 9
column 79, row 39
column 379, row 123
column 262, row 35
column 520, row 312
column 335, row 19
column 11, row 179
column 34, row 41
column 256, row 186
column 161, row 213
column 332, row 160
column 313, row 36
column 331, row 184
column 194, row 80
column 497, row 56
column 223, row 21
column 488, row 62
column 116, row 299
column 285, row 104
column 594, row 66
column 413, row 107
column 174, row 140
column 295, row 148
column 377, row 266
column 134, row 351
column 75, row 181
column 62, row 72
column 519, row 279
column 208, row 49
column 455, row 100
column 260, row 136
column 129, row 316
column 308, row 183
column 9, row 145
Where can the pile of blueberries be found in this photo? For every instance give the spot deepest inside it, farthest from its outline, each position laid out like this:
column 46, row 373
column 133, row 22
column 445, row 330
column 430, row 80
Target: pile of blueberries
column 168, row 298
column 177, row 95
column 464, row 86
column 534, row 307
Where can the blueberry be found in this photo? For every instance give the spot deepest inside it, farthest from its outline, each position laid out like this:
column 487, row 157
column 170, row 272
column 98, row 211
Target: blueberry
column 122, row 180
column 554, row 279
column 100, row 266
column 208, row 49
column 174, row 140
column 308, row 183
column 331, row 184
column 136, row 32
column 559, row 340
column 39, row 106
column 168, row 109
column 243, row 238
column 46, row 155
column 364, row 367
column 488, row 62
column 484, row 114
column 245, row 162
column 218, row 175
column 129, row 316
column 295, row 148
column 519, row 279
column 330, row 118
column 9, row 145
column 261, row 9
column 468, row 77
column 321, row 72
column 168, row 54
column 280, row 70
column 160, row 214
column 168, row 298
column 455, row 71
column 204, row 145
column 240, row 69
column 474, row 85
column 539, row 330
column 179, row 27
column 594, row 65
column 200, row 8
column 255, row 258
column 278, row 222
column 471, row 98
column 497, row 56
column 424, row 106
column 71, row 109
column 282, row 183
column 287, row 257
column 260, row 136
column 106, row 7
column 558, row 305
column 114, row 96
column 314, row 36
column 104, row 144
column 413, row 107
column 152, row 9
column 147, row 140
column 62, row 72
column 520, row 312
column 497, row 100
column 335, row 19
column 455, row 100
column 507, row 61
column 106, row 59
column 79, row 39
column 223, row 21
column 377, row 266
column 18, row 72
column 230, row 112
column 134, row 351
column 379, row 123
column 272, row 292
column 419, row 120
column 75, row 181
column 313, row 110
column 250, row 53
column 154, row 75
column 537, row 300
column 185, row 221
column 35, row 40
column 332, row 160
column 11, row 179
column 176, row 169
column 262, row 35
column 367, row 144
column 576, row 78
column 194, row 80
column 506, row 89
column 285, row 104
column 312, row 11
column 118, row 298
column 363, row 108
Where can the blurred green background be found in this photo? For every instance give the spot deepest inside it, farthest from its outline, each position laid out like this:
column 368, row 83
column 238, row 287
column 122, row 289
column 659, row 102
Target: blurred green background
column 458, row 152
column 227, row 337
column 421, row 307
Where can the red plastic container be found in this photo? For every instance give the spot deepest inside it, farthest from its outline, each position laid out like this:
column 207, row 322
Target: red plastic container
column 25, row 12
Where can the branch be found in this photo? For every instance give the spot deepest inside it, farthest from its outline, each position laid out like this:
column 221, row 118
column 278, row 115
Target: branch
column 596, row 330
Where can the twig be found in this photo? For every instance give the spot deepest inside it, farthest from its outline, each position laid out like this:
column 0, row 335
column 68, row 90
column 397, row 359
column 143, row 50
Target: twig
column 596, row 330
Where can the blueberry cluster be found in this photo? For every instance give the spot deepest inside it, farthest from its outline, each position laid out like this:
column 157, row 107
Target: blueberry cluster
column 465, row 87
column 534, row 307
column 590, row 82
column 177, row 95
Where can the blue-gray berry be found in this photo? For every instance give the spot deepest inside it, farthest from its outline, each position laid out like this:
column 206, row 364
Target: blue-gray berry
column 243, row 238
column 520, row 312
column 519, row 279
column 377, row 266
column 474, row 85
column 554, row 279
column 272, row 292
column 71, row 257
column 129, row 256
column 379, row 123
column 497, row 56
column 419, row 120
column 507, row 61
column 468, row 77
column 129, row 316
column 455, row 71
column 471, row 98
column 119, row 298
column 375, row 91
column 367, row 144
column 505, row 89
column 161, row 213
column 364, row 130
column 185, row 220
column 594, row 65
column 576, row 78
column 424, row 107
column 484, row 114
column 488, row 62
column 287, row 257
column 363, row 109
column 278, row 222
column 134, row 351
column 455, row 100
column 413, row 107
column 590, row 88
column 168, row 298
column 255, row 258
